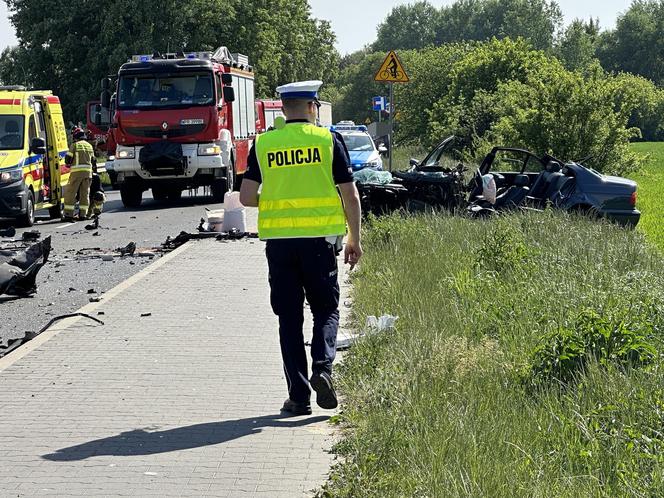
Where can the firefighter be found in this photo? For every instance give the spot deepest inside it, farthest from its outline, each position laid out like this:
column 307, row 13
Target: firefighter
column 303, row 220
column 81, row 157
column 97, row 196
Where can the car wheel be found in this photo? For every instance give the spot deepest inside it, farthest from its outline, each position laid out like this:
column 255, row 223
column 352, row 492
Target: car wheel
column 28, row 219
column 131, row 196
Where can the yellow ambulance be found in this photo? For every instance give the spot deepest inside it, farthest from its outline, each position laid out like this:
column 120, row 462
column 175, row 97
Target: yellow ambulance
column 33, row 145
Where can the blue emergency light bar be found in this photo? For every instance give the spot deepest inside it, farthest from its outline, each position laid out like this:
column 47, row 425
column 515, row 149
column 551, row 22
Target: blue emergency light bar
column 348, row 126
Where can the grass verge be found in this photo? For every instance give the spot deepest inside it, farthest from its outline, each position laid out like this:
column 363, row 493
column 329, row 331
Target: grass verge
column 525, row 361
column 651, row 191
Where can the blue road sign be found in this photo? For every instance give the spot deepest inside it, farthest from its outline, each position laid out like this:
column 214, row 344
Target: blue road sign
column 378, row 103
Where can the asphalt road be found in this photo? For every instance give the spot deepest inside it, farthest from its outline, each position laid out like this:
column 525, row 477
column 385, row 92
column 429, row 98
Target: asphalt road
column 64, row 281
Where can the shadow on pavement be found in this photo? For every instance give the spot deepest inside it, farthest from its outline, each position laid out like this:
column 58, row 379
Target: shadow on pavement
column 142, row 442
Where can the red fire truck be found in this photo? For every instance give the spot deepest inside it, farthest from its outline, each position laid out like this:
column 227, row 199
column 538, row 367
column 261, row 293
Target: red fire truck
column 180, row 120
column 99, row 128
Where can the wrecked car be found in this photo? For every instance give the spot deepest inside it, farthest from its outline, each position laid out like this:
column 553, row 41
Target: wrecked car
column 522, row 180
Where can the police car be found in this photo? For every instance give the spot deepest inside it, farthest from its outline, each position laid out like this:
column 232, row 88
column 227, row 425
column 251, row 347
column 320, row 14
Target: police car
column 360, row 145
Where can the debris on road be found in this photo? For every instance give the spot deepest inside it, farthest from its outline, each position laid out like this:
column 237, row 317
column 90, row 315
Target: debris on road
column 173, row 243
column 18, row 270
column 31, row 236
column 129, row 249
column 8, row 232
column 145, row 314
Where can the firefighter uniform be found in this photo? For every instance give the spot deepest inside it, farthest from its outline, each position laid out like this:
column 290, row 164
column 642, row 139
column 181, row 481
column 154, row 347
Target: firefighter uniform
column 300, row 215
column 81, row 154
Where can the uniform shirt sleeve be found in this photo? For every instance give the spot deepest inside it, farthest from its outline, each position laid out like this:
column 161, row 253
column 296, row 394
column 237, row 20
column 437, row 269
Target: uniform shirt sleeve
column 253, row 170
column 341, row 168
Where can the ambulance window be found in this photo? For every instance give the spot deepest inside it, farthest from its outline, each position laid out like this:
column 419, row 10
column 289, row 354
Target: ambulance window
column 32, row 128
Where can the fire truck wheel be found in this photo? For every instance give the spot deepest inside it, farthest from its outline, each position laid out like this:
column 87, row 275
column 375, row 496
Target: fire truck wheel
column 28, row 219
column 159, row 194
column 174, row 195
column 219, row 188
column 131, row 195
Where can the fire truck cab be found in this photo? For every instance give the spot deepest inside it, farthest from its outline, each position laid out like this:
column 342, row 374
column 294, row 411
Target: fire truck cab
column 181, row 121
column 33, row 144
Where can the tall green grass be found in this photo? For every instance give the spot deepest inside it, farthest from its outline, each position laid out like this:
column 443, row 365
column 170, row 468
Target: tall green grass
column 651, row 191
column 467, row 396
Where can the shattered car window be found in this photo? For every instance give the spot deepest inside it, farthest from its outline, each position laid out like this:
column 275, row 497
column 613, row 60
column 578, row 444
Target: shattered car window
column 444, row 157
column 508, row 161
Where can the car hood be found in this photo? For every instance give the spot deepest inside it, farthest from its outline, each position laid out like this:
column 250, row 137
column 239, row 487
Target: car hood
column 359, row 157
column 10, row 158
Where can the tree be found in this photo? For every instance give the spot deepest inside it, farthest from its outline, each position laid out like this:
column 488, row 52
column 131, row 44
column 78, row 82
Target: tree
column 534, row 20
column 636, row 44
column 73, row 47
column 407, row 27
column 577, row 46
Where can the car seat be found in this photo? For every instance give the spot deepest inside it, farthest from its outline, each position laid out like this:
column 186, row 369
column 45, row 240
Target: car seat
column 539, row 188
column 514, row 195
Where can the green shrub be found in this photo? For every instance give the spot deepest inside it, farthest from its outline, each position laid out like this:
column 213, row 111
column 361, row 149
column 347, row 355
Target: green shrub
column 609, row 340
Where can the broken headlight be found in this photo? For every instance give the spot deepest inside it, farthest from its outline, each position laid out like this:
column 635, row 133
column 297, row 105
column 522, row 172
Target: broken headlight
column 11, row 176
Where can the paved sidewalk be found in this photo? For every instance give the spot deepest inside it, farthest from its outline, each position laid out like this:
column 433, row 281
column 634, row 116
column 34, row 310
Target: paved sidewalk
column 184, row 402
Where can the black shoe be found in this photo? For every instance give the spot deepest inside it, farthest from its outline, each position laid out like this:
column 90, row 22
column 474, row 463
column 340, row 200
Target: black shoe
column 326, row 398
column 291, row 406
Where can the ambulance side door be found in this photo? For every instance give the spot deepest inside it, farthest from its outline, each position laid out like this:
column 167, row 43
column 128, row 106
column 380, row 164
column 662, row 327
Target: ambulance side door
column 38, row 163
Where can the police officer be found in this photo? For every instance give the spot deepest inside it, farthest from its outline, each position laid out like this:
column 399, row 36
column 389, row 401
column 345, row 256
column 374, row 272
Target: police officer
column 81, row 156
column 302, row 218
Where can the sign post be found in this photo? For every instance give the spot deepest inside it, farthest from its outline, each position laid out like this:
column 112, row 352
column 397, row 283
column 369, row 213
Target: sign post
column 391, row 71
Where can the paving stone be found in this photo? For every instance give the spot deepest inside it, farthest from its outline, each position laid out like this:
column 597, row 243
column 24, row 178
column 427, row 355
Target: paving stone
column 184, row 402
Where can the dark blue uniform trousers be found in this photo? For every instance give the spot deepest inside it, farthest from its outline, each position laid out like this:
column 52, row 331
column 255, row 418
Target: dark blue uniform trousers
column 299, row 268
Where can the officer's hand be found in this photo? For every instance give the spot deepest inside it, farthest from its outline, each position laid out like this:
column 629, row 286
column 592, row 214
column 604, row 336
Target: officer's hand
column 352, row 253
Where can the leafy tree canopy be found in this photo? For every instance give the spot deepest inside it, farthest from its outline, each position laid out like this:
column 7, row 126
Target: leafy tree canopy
column 73, row 47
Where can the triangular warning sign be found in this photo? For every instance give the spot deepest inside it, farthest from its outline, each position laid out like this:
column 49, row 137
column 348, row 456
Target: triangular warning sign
column 391, row 70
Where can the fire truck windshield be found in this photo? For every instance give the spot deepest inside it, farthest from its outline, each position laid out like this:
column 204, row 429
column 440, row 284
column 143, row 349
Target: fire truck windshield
column 165, row 90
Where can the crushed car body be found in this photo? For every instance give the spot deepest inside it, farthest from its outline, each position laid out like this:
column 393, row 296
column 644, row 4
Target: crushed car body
column 522, row 180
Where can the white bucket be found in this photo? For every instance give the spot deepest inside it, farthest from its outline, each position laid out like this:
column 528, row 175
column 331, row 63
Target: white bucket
column 215, row 220
column 235, row 217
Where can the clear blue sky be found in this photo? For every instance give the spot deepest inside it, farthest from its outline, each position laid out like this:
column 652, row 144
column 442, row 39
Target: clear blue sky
column 355, row 21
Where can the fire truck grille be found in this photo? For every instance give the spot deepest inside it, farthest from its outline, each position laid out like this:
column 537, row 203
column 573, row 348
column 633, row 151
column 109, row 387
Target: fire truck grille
column 157, row 132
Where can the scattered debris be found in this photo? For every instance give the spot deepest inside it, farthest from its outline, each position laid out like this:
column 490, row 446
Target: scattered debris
column 11, row 344
column 92, row 291
column 18, row 270
column 127, row 250
column 145, row 314
column 8, row 232
column 31, row 236
column 95, row 299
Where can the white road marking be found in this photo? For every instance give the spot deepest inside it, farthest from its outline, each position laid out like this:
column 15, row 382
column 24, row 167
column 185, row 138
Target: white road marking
column 65, row 225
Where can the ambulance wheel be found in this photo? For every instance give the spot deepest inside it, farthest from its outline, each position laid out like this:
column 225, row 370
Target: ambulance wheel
column 57, row 211
column 219, row 188
column 28, row 219
column 131, row 196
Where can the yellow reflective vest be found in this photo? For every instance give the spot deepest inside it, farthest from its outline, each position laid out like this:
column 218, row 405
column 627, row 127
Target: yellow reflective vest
column 299, row 197
column 81, row 153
